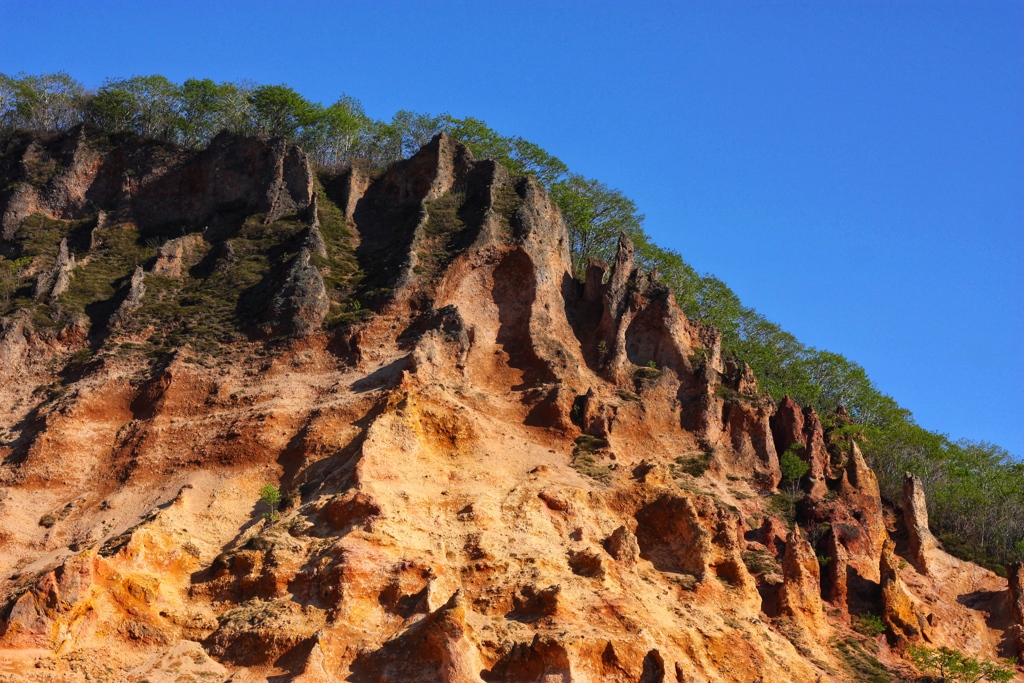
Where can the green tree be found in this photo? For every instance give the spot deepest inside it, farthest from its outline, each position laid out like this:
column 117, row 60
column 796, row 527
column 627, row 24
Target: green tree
column 47, row 102
column 331, row 135
column 793, row 468
column 280, row 111
column 517, row 154
column 207, row 108
column 271, row 495
column 146, row 105
column 955, row 666
column 529, row 158
column 595, row 215
column 416, row 130
column 8, row 101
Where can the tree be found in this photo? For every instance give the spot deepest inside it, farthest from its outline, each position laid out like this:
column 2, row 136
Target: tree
column 331, row 134
column 517, row 154
column 793, row 468
column 207, row 108
column 280, row 111
column 47, row 102
column 8, row 101
column 595, row 215
column 416, row 130
column 271, row 495
column 149, row 106
column 954, row 666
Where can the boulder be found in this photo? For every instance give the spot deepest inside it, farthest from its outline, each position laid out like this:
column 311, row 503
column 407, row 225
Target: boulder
column 623, row 546
column 173, row 254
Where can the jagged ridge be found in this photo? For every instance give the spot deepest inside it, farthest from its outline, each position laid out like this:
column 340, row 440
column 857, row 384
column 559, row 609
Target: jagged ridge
column 498, row 474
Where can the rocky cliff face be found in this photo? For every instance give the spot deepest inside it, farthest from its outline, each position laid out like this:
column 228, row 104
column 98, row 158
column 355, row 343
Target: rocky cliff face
column 491, row 471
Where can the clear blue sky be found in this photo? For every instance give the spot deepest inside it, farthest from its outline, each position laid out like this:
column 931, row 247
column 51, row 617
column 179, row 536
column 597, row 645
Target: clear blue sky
column 853, row 170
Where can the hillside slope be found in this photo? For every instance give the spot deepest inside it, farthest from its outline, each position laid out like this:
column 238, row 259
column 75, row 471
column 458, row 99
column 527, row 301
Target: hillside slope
column 492, row 471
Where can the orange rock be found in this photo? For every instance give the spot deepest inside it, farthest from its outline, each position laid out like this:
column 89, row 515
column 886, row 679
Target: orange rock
column 800, row 594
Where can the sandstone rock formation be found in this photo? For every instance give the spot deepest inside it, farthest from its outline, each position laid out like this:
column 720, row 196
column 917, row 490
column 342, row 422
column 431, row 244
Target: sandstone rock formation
column 55, row 281
column 837, row 592
column 902, row 620
column 800, row 594
column 915, row 516
column 490, row 471
column 173, row 253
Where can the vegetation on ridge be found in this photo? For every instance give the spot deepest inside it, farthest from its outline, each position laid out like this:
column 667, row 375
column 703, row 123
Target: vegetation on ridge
column 975, row 489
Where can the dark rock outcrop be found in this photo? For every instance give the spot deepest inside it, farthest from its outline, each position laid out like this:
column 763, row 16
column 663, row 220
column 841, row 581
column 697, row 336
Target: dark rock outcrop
column 302, row 304
column 1015, row 582
column 135, row 181
column 313, row 240
column 136, row 290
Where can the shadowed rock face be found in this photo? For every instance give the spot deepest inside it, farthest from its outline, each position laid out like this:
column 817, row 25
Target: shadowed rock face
column 490, row 470
column 1015, row 581
column 152, row 184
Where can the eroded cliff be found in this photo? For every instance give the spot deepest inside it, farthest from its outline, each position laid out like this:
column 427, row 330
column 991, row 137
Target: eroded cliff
column 492, row 471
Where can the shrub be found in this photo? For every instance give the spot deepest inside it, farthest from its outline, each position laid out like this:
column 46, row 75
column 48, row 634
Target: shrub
column 694, row 465
column 646, row 373
column 868, row 624
column 761, row 562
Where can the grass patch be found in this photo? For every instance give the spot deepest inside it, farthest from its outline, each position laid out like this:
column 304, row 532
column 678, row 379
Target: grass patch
column 860, row 661
column 585, row 443
column 584, row 462
column 783, row 506
column 694, row 465
column 761, row 562
column 646, row 374
column 105, row 272
column 445, row 235
column 730, row 394
column 340, row 268
column 868, row 624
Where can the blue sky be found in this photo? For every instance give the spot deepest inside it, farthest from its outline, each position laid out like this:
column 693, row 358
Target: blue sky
column 853, row 170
